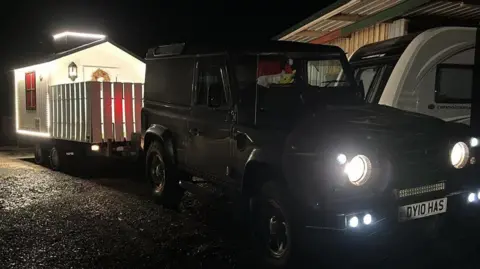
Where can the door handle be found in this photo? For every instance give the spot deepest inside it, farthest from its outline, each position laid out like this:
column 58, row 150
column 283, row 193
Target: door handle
column 194, row 132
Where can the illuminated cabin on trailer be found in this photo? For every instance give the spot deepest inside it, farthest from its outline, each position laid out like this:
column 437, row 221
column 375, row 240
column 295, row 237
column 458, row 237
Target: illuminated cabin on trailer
column 87, row 96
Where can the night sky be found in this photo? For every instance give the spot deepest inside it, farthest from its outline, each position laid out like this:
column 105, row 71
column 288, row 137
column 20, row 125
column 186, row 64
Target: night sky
column 138, row 25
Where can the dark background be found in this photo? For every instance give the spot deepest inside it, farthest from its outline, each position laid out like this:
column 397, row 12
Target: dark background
column 27, row 26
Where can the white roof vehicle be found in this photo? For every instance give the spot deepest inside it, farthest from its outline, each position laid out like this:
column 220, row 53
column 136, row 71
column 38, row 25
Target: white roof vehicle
column 429, row 73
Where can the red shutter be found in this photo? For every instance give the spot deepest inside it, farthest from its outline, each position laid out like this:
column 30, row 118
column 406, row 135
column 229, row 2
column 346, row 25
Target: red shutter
column 30, row 91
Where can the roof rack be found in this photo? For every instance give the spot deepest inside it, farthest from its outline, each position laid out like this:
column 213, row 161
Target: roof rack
column 167, row 50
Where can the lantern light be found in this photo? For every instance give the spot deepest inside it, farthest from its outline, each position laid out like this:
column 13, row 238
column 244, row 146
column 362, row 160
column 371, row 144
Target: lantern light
column 72, row 71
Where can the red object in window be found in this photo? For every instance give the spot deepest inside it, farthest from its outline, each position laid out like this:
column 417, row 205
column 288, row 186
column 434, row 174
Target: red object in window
column 288, row 69
column 30, row 91
column 266, row 68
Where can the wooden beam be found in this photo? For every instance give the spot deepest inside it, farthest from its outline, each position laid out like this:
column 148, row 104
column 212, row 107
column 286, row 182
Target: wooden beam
column 379, row 17
column 307, row 33
column 328, row 37
column 347, row 17
column 384, row 15
column 468, row 2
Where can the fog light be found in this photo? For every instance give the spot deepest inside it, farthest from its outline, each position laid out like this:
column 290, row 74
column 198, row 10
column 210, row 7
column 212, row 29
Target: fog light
column 342, row 159
column 473, row 142
column 367, row 219
column 478, row 195
column 471, row 197
column 353, row 222
column 95, row 147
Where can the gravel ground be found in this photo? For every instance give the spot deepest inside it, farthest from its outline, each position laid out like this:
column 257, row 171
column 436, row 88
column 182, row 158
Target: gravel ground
column 107, row 220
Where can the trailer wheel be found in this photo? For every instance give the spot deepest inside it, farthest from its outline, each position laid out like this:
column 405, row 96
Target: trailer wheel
column 40, row 155
column 56, row 159
column 163, row 176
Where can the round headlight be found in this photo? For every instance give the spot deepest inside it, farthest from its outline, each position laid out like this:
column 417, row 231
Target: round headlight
column 459, row 155
column 359, row 170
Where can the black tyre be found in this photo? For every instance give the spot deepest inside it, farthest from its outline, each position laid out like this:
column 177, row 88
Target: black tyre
column 275, row 234
column 56, row 159
column 41, row 155
column 163, row 176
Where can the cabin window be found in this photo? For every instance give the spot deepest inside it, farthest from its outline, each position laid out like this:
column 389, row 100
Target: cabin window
column 326, row 73
column 30, row 91
column 453, row 83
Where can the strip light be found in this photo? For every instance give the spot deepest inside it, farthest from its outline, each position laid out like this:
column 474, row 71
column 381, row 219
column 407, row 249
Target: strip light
column 32, row 133
column 76, row 34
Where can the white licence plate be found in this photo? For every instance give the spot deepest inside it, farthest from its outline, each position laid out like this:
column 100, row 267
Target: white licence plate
column 422, row 210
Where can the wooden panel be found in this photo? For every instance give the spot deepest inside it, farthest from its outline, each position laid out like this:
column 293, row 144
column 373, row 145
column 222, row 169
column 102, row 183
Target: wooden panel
column 64, row 112
column 69, row 111
column 118, row 110
column 94, row 89
column 81, row 94
column 54, row 110
column 77, row 111
column 138, row 106
column 107, row 111
column 127, row 90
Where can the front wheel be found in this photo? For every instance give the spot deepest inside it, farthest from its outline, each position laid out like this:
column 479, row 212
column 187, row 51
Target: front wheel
column 274, row 230
column 163, row 177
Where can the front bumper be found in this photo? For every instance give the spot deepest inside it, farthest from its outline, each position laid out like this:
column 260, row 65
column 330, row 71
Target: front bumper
column 460, row 216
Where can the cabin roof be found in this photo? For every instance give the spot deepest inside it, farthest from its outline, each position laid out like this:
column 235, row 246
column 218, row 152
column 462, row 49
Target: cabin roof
column 55, row 56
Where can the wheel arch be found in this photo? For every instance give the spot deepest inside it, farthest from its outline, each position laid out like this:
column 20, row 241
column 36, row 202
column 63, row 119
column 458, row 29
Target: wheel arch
column 163, row 135
column 262, row 166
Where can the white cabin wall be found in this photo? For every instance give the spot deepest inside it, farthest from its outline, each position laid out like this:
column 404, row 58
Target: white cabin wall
column 25, row 119
column 121, row 66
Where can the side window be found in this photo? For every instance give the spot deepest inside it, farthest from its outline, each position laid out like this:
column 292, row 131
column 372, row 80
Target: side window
column 210, row 88
column 366, row 75
column 453, row 83
column 30, row 91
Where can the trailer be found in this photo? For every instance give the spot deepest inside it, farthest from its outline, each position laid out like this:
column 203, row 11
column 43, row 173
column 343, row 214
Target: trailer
column 429, row 72
column 83, row 101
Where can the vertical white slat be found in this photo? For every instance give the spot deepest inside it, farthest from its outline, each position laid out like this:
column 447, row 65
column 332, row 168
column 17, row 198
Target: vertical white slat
column 81, row 111
column 69, row 96
column 62, row 111
column 74, row 111
column 77, row 112
column 88, row 118
column 53, row 109
column 57, row 111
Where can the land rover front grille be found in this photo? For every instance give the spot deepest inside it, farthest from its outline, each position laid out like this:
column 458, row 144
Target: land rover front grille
column 421, row 190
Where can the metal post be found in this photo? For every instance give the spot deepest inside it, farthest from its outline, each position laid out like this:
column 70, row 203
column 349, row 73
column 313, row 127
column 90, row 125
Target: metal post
column 475, row 110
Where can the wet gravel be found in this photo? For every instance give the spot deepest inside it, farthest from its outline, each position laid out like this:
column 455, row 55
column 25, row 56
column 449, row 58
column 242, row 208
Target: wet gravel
column 103, row 217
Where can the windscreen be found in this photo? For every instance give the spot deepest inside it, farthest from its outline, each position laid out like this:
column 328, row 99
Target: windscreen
column 282, row 87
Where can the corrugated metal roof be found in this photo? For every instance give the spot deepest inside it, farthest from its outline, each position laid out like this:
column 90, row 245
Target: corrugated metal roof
column 451, row 10
column 325, row 24
column 354, row 7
